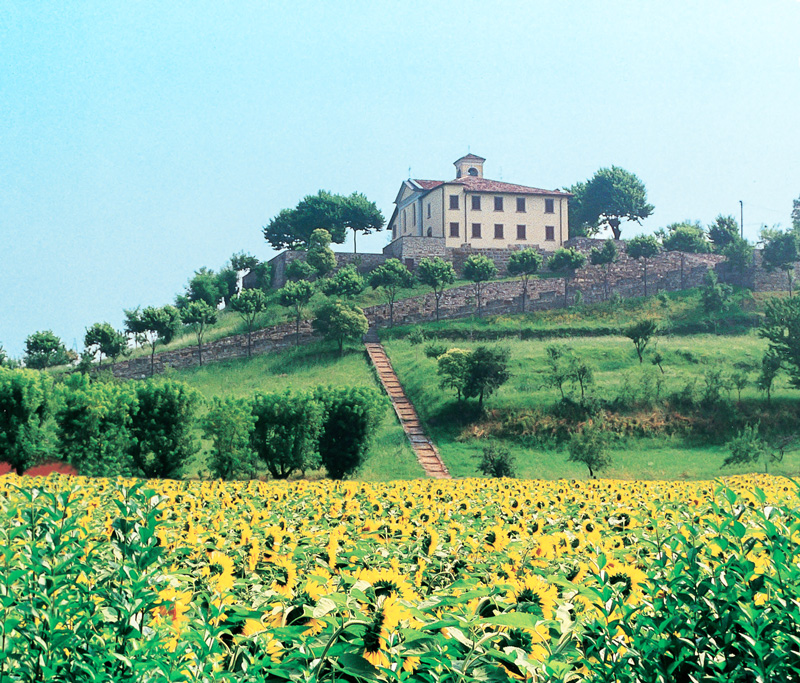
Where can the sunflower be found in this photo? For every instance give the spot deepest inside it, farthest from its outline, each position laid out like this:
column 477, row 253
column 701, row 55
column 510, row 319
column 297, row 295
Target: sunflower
column 220, row 571
column 533, row 595
column 625, row 578
column 388, row 583
column 378, row 631
column 285, row 576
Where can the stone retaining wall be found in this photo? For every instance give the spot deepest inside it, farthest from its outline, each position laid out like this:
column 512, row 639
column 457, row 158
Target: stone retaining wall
column 364, row 263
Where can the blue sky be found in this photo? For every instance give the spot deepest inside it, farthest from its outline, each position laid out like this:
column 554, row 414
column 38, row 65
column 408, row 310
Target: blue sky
column 143, row 140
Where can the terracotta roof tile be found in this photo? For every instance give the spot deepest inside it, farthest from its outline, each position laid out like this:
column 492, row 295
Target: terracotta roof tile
column 474, row 184
column 429, row 184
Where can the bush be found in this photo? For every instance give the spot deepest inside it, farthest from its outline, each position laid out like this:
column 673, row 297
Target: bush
column 229, row 424
column 435, row 350
column 496, row 461
column 416, row 336
column 589, row 447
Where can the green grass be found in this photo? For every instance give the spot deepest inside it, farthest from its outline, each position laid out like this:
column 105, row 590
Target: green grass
column 390, row 455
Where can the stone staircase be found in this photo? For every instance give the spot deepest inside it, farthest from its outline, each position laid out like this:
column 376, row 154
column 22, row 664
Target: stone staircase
column 427, row 455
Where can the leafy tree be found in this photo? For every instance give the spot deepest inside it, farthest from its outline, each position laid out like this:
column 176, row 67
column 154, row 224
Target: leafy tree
column 436, row 273
column 340, row 321
column 566, row 261
column 611, row 195
column 26, row 407
column 153, row 325
column 346, row 282
column 581, row 223
column 351, row 416
column 525, row 263
column 249, row 304
column 359, row 214
column 299, row 270
column 243, row 261
column 770, row 367
column 163, row 428
column 740, row 379
column 715, row 296
column 559, row 361
column 589, row 446
column 227, row 283
column 94, row 425
column 391, row 276
column 296, row 295
column 781, row 328
column 496, row 461
column 204, row 285
column 3, row 356
column 479, row 269
column 451, row 366
column 739, row 255
column 643, row 247
column 604, row 258
column 320, row 256
column 658, row 360
column 748, row 447
column 228, row 424
column 781, row 252
column 581, row 373
column 286, row 432
column 486, row 371
column 723, row 231
column 44, row 350
column 640, row 333
column 686, row 238
column 103, row 340
column 199, row 316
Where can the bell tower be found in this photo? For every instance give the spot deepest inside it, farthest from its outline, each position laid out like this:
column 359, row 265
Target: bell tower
column 470, row 165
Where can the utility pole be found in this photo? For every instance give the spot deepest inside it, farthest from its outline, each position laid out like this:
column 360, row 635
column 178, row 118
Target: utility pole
column 741, row 216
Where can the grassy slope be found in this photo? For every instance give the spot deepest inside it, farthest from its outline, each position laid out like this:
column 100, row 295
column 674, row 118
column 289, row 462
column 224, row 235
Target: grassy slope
column 686, row 357
column 390, row 456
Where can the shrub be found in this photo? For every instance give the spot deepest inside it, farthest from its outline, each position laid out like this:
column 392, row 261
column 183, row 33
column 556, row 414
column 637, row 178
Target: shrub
column 486, row 370
column 590, row 448
column 496, row 461
column 229, row 424
column 416, row 336
column 435, row 349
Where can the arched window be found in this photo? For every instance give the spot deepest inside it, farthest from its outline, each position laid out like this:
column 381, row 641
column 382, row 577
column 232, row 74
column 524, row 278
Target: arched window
column 473, row 171
column 430, row 232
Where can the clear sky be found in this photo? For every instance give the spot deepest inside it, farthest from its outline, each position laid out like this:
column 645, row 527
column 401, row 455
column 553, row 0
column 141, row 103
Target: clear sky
column 142, row 140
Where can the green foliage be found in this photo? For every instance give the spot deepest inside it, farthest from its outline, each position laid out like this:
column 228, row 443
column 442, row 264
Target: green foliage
column 26, row 407
column 296, row 295
column 643, row 247
column 496, row 461
column 723, row 232
column 351, row 419
column 199, row 316
column 436, row 273
column 590, row 447
column 559, row 360
column 781, row 328
column 770, row 367
column 3, row 356
column 686, row 237
column 452, row 368
column 103, row 340
column 243, row 261
column 486, row 371
column 604, row 257
column 94, row 426
column 299, row 270
column 162, row 428
column 479, row 269
column 359, row 214
column 611, row 195
column 45, row 349
column 339, row 321
column 525, row 263
column 229, row 424
column 320, row 256
column 227, row 281
column 739, row 254
column 286, row 432
column 781, row 252
column 152, row 325
column 566, row 261
column 417, row 335
column 746, row 447
column 249, row 304
column 391, row 276
column 640, row 333
column 203, row 286
column 715, row 296
column 346, row 282
column 796, row 215
column 435, row 349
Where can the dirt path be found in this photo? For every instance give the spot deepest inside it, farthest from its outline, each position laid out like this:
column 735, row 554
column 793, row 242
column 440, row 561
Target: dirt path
column 427, row 455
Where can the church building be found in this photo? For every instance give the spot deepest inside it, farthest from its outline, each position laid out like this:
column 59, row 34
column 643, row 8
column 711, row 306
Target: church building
column 473, row 211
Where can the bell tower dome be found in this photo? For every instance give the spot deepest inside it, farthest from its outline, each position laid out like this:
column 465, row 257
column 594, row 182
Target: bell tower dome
column 470, row 165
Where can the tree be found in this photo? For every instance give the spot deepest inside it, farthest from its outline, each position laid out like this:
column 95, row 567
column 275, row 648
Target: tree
column 299, row 270
column 391, row 276
column 199, row 316
column 781, row 252
column 3, row 356
column 589, row 446
column 486, row 370
column 739, row 255
column 26, row 407
column 227, row 284
column 242, row 261
column 153, row 325
column 722, row 232
column 286, row 432
column 479, row 269
column 249, row 304
column 204, row 285
column 44, row 350
column 163, row 428
column 581, row 373
column 436, row 273
column 452, row 368
column 748, row 447
column 496, row 461
column 320, row 256
column 94, row 425
column 643, row 247
column 559, row 361
column 525, row 263
column 103, row 340
column 340, row 321
column 604, row 258
column 346, row 282
column 581, row 223
column 228, row 424
column 351, row 416
column 359, row 214
column 715, row 296
column 770, row 367
column 686, row 238
column 796, row 215
column 740, row 379
column 566, row 261
column 611, row 195
column 640, row 333
column 781, row 328
column 296, row 295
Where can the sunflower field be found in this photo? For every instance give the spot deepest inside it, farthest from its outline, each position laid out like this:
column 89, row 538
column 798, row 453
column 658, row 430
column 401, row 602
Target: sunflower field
column 468, row 580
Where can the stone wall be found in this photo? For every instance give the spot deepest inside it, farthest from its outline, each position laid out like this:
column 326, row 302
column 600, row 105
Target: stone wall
column 756, row 277
column 412, row 249
column 364, row 263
